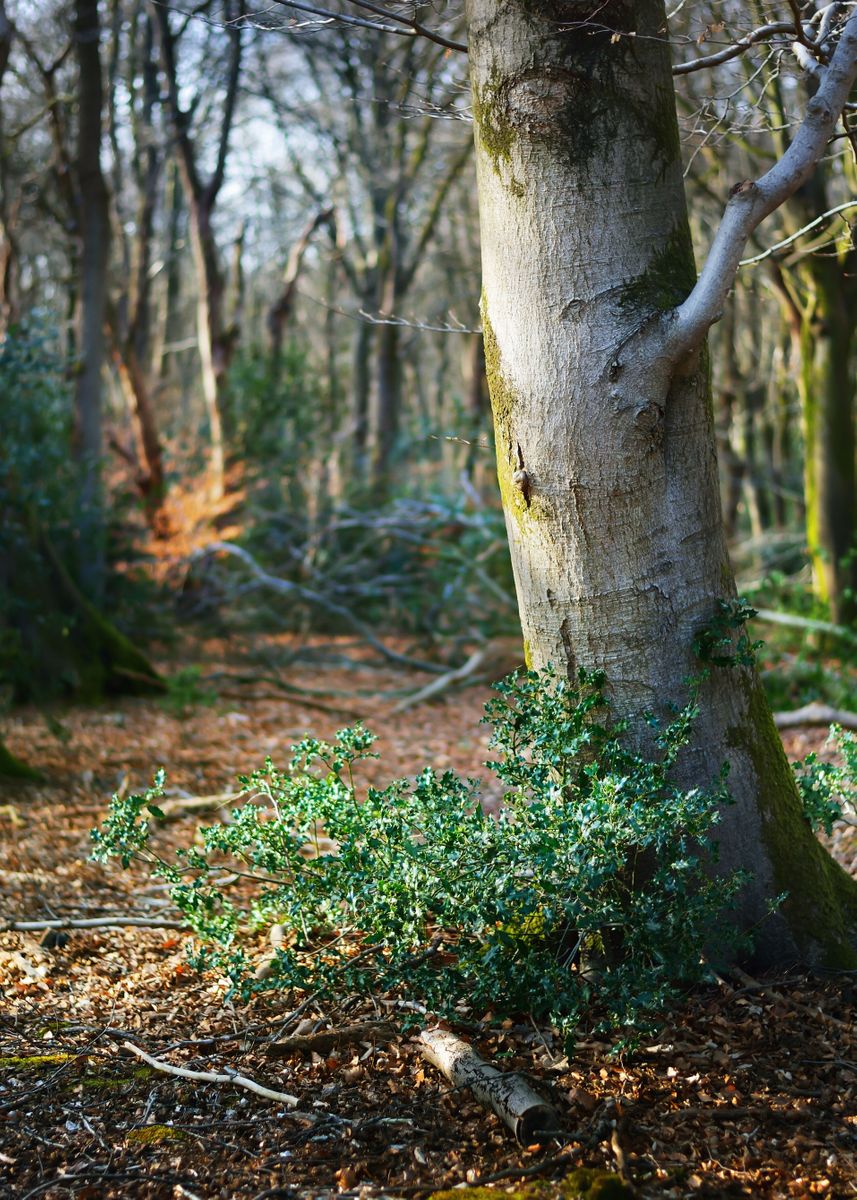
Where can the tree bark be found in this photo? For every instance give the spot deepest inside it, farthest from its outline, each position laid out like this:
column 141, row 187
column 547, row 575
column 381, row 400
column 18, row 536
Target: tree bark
column 826, row 389
column 94, row 230
column 216, row 343
column 281, row 310
column 131, row 325
column 603, row 419
column 9, row 310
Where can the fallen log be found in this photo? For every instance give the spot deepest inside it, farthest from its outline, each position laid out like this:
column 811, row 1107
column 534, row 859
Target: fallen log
column 526, row 1113
column 815, row 714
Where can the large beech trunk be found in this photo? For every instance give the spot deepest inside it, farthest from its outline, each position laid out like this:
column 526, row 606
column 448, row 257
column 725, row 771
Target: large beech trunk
column 605, row 446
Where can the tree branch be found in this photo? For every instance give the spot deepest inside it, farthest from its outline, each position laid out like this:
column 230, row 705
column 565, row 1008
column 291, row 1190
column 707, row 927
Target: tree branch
column 752, row 201
column 740, row 47
column 405, row 28
column 234, row 74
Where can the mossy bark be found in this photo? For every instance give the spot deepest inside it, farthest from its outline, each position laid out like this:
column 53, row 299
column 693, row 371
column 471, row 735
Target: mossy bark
column 12, row 767
column 826, row 388
column 605, row 446
column 107, row 660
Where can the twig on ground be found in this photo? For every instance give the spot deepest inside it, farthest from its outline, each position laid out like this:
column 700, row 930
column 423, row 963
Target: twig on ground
column 117, row 922
column 439, row 685
column 329, row 1039
column 815, row 714
column 178, row 805
column 817, row 1014
column 226, row 1076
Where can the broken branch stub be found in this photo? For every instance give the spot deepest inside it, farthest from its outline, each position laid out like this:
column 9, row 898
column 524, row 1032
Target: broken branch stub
column 526, row 1113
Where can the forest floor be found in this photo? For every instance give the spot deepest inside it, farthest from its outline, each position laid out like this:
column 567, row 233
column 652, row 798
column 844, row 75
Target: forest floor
column 750, row 1087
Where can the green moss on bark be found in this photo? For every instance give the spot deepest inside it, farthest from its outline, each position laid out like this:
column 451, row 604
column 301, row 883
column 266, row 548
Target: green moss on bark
column 527, row 508
column 494, row 129
column 667, row 280
column 821, row 905
column 12, row 767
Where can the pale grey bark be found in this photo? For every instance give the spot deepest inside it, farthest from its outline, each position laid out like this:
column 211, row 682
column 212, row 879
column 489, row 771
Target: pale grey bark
column 603, row 421
column 523, row 1110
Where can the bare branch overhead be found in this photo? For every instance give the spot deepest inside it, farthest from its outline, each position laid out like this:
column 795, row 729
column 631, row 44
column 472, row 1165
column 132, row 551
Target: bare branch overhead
column 401, row 26
column 751, row 201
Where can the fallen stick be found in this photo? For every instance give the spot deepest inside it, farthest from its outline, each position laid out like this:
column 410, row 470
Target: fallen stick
column 178, row 805
column 226, row 1076
column 772, row 617
column 815, row 1014
column 286, row 588
column 525, row 1112
column 117, row 922
column 330, row 1039
column 815, row 714
column 436, row 686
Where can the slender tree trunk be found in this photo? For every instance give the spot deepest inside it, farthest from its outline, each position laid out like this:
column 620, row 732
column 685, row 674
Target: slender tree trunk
column 827, row 392
column 9, row 310
column 386, row 412
column 605, row 449
column 94, row 227
column 168, row 308
column 216, row 343
column 281, row 310
column 361, row 387
column 150, row 476
column 209, row 329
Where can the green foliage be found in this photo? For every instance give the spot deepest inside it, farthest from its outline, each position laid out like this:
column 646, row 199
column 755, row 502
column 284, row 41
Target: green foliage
column 52, row 640
column 827, row 789
column 724, row 642
column 185, row 691
column 37, row 497
column 588, row 891
column 123, row 833
column 273, row 419
column 794, row 670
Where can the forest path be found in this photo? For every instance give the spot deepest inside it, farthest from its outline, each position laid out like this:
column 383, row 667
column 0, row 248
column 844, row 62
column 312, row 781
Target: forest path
column 746, row 1090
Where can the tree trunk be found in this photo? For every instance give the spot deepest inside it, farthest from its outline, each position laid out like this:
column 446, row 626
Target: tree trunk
column 168, row 307
column 605, row 449
column 9, row 310
column 150, row 474
column 213, row 358
column 361, row 386
column 385, row 417
column 281, row 310
column 94, row 227
column 826, row 388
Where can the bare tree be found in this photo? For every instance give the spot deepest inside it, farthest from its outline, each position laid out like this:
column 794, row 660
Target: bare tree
column 216, row 338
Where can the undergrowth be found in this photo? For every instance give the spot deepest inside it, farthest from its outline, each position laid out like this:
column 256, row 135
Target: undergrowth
column 586, row 895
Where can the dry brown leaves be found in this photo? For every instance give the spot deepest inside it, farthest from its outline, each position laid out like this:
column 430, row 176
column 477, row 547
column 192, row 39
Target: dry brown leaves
column 747, row 1091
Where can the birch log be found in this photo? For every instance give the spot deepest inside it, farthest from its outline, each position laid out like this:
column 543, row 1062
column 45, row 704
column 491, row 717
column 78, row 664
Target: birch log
column 530, row 1117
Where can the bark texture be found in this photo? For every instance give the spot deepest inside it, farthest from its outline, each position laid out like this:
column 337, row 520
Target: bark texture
column 94, row 230
column 604, row 434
